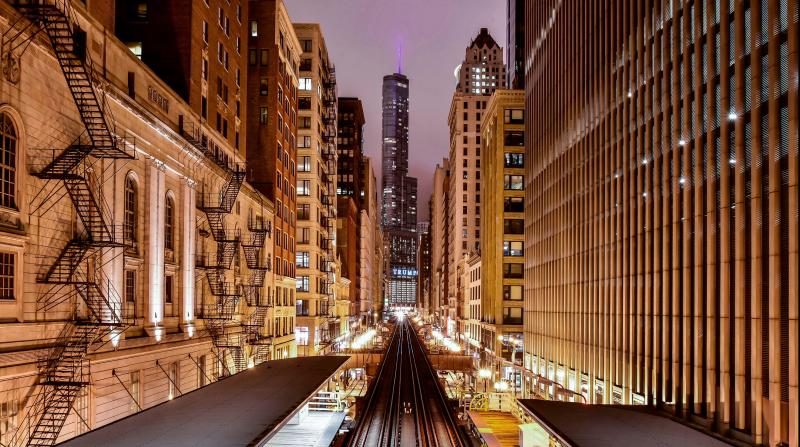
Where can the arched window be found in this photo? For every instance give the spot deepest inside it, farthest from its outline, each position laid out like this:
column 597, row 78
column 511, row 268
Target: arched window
column 131, row 211
column 169, row 223
column 8, row 162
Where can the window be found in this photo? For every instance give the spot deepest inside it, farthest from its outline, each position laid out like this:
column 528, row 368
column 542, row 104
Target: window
column 304, row 103
column 512, row 248
column 169, row 224
column 304, row 84
column 135, row 48
column 8, row 262
column 131, row 212
column 304, row 142
column 514, row 226
column 253, row 28
column 302, row 283
column 262, row 115
column 306, row 44
column 513, row 182
column 204, row 69
column 301, row 308
column 8, row 420
column 302, row 259
column 513, row 205
column 263, row 88
column 305, row 122
column 512, row 315
column 512, row 270
column 512, row 293
column 303, row 211
column 514, row 116
column 253, row 57
column 514, row 160
column 301, row 335
column 304, row 235
column 264, row 57
column 514, row 138
column 205, row 31
column 130, row 286
column 305, row 65
column 304, row 164
column 139, row 10
column 169, row 288
column 8, row 162
column 304, row 187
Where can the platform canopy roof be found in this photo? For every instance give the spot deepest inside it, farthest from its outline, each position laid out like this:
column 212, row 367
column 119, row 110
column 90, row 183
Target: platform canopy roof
column 242, row 410
column 581, row 425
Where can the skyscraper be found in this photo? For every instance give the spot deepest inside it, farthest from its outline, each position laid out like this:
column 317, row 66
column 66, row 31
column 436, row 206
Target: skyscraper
column 480, row 73
column 515, row 43
column 399, row 194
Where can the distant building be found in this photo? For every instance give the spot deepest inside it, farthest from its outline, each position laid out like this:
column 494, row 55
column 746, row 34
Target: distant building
column 271, row 99
column 472, row 335
column 515, row 43
column 440, row 248
column 350, row 194
column 370, row 300
column 503, row 225
column 316, row 258
column 424, row 265
column 479, row 75
column 350, row 146
column 399, row 195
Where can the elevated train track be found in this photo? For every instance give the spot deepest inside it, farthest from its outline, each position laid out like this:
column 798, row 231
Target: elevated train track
column 406, row 405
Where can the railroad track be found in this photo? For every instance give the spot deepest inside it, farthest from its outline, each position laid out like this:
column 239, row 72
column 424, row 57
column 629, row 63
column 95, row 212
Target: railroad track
column 405, row 405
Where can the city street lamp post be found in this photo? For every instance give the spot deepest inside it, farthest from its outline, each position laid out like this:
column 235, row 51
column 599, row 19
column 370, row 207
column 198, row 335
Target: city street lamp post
column 484, row 374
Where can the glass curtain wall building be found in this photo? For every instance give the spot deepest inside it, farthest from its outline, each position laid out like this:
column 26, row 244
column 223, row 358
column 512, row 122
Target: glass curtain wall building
column 399, row 195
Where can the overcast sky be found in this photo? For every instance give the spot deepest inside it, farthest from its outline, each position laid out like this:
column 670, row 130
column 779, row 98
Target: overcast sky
column 364, row 37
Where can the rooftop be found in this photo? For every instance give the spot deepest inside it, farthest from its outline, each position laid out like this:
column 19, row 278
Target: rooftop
column 581, row 425
column 245, row 409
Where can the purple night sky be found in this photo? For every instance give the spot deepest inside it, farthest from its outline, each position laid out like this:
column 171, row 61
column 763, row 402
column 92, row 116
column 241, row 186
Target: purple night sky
column 363, row 38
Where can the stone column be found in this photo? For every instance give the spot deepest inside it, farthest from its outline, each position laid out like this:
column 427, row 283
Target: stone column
column 188, row 255
column 155, row 242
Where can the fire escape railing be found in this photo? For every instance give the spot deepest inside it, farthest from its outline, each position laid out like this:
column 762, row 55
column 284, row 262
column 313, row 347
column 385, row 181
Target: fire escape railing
column 221, row 314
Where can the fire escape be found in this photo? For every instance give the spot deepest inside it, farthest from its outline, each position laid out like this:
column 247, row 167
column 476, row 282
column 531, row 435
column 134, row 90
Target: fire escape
column 328, row 331
column 253, row 289
column 77, row 271
column 220, row 314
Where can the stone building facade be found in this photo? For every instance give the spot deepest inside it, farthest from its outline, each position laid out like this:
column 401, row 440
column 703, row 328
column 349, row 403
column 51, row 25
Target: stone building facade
column 316, row 258
column 480, row 73
column 135, row 258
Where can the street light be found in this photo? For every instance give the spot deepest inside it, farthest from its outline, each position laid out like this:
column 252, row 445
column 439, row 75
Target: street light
column 501, row 386
column 484, row 374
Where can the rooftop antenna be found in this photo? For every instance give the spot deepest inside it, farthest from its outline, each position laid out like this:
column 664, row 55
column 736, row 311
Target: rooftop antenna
column 400, row 58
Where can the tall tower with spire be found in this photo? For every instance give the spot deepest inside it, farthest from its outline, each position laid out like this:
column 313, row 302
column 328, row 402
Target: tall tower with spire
column 399, row 194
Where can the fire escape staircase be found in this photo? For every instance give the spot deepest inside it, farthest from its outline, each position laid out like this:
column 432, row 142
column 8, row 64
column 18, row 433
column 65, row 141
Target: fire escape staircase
column 253, row 290
column 220, row 315
column 65, row 369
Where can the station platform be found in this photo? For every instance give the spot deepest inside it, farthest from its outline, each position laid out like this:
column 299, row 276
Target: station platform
column 497, row 428
column 248, row 408
column 316, row 429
